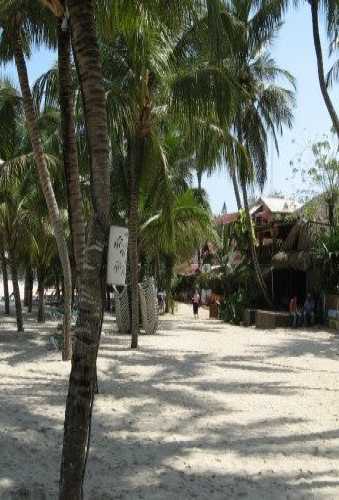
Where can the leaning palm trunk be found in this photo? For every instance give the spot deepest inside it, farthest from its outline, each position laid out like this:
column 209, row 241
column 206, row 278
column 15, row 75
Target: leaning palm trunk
column 47, row 189
column 236, row 190
column 70, row 153
column 320, row 63
column 92, row 284
column 16, row 291
column 254, row 256
column 5, row 281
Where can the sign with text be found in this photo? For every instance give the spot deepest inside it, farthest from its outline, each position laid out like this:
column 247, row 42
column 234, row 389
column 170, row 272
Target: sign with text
column 117, row 255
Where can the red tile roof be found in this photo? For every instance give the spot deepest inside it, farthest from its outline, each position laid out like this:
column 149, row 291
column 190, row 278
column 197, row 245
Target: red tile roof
column 227, row 218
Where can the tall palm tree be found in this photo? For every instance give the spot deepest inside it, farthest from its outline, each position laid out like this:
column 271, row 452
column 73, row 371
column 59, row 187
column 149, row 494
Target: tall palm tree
column 83, row 373
column 264, row 108
column 136, row 61
column 14, row 220
column 330, row 9
column 18, row 32
column 171, row 234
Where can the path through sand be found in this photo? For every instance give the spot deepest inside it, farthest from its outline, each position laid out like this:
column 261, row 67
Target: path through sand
column 203, row 410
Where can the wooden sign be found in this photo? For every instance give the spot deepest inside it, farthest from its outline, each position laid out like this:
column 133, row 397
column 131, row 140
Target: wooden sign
column 117, row 255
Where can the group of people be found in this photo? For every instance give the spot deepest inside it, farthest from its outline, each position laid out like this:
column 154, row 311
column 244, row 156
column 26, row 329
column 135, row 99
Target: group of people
column 302, row 315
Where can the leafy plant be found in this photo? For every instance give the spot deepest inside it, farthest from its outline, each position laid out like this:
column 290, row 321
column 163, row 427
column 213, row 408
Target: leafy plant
column 327, row 253
column 233, row 307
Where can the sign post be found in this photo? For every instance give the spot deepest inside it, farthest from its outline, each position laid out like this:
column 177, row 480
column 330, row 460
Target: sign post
column 117, row 256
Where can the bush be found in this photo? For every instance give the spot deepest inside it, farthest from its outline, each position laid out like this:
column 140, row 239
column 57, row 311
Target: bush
column 233, row 307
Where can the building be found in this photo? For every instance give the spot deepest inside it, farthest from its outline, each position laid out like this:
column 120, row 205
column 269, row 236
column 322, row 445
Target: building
column 284, row 241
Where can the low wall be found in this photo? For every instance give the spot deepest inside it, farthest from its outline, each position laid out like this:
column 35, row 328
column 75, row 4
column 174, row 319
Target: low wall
column 271, row 319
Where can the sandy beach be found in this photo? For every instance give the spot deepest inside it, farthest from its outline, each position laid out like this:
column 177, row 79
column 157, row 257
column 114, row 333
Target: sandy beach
column 202, row 410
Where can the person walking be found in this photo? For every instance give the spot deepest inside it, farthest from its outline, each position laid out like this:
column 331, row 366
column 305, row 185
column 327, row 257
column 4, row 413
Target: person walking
column 196, row 304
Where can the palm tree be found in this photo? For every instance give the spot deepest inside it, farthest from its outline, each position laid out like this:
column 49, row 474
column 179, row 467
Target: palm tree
column 172, row 233
column 18, row 31
column 14, row 220
column 87, row 337
column 264, row 107
column 135, row 63
column 244, row 104
column 28, row 290
column 330, row 9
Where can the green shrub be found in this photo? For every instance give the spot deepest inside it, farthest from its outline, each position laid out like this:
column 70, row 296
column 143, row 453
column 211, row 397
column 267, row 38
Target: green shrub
column 233, row 307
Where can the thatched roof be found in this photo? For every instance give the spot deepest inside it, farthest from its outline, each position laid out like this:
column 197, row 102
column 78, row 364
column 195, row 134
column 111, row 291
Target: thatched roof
column 299, row 261
column 303, row 237
column 297, row 248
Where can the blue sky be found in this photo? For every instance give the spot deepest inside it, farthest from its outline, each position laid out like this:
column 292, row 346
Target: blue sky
column 293, row 50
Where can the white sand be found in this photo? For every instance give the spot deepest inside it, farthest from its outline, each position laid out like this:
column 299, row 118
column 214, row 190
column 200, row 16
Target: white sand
column 203, row 410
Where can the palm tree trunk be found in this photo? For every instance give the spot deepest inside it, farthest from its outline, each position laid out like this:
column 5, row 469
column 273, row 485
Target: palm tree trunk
column 30, row 297
column 168, row 278
column 16, row 292
column 136, row 159
column 331, row 212
column 108, row 299
column 26, row 289
column 57, row 290
column 320, row 63
column 5, row 281
column 47, row 188
column 254, row 256
column 70, row 154
column 199, row 179
column 92, row 284
column 41, row 304
column 28, row 285
column 236, row 190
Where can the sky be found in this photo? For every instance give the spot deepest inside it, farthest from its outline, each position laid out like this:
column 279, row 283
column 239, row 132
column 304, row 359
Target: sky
column 293, row 50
